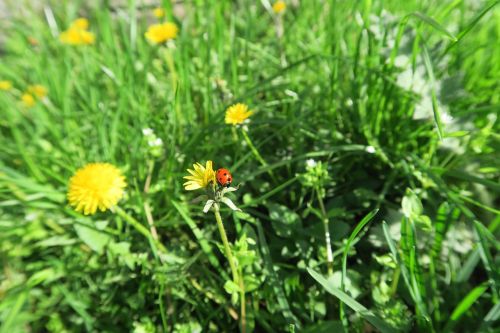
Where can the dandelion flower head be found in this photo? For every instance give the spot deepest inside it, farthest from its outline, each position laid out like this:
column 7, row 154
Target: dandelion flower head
column 159, row 12
column 96, row 186
column 279, row 6
column 160, row 33
column 28, row 100
column 236, row 114
column 38, row 90
column 5, row 85
column 77, row 34
column 200, row 177
column 80, row 23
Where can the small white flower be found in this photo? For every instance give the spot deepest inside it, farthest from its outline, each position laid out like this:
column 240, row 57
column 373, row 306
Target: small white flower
column 156, row 142
column 370, row 149
column 401, row 61
column 147, row 131
column 446, row 118
column 311, row 163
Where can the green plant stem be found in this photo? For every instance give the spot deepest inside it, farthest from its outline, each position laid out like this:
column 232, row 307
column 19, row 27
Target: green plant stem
column 227, row 248
column 395, row 281
column 234, row 271
column 329, row 254
column 140, row 228
column 169, row 59
column 256, row 153
column 242, row 303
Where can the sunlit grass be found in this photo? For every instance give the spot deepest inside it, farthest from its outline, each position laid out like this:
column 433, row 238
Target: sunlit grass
column 397, row 102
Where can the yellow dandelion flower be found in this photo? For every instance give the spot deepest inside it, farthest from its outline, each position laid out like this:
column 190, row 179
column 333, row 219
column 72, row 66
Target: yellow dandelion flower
column 200, row 177
column 159, row 12
column 5, row 85
column 38, row 90
column 160, row 33
column 77, row 33
column 279, row 6
column 236, row 114
column 28, row 100
column 77, row 37
column 80, row 23
column 96, row 185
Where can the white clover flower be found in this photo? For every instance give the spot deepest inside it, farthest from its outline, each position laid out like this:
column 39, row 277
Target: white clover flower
column 401, row 61
column 147, row 131
column 157, row 142
column 370, row 149
column 446, row 118
column 311, row 163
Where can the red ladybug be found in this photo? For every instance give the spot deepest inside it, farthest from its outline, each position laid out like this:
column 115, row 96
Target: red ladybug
column 224, row 177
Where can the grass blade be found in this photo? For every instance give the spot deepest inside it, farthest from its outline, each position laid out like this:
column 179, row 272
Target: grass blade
column 432, row 79
column 491, row 317
column 205, row 245
column 13, row 313
column 464, row 306
column 433, row 23
column 489, row 264
column 410, row 256
column 353, row 235
column 397, row 259
column 274, row 280
column 472, row 23
column 352, row 303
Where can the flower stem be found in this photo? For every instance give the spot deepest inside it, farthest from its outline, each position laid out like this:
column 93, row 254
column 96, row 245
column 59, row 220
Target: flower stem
column 227, row 248
column 147, row 208
column 140, row 228
column 395, row 281
column 256, row 153
column 242, row 304
column 237, row 277
column 329, row 255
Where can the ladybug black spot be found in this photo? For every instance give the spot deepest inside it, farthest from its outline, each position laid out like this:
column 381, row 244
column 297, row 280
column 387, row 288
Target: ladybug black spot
column 225, row 174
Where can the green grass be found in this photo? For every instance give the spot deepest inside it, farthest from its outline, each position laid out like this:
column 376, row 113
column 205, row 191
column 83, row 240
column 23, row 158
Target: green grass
column 333, row 87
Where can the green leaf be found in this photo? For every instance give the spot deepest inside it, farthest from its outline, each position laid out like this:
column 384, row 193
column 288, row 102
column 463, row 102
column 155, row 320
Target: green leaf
column 491, row 317
column 94, row 238
column 399, row 261
column 456, row 134
column 484, row 252
column 459, row 174
column 472, row 23
column 328, row 326
column 10, row 320
column 251, row 283
column 433, row 23
column 273, row 278
column 283, row 220
column 411, row 204
column 353, row 235
column 464, row 306
column 410, row 257
column 231, row 287
column 202, row 240
column 122, row 251
column 432, row 79
column 352, row 303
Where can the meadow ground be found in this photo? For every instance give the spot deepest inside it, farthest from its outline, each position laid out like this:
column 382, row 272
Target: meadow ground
column 363, row 153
